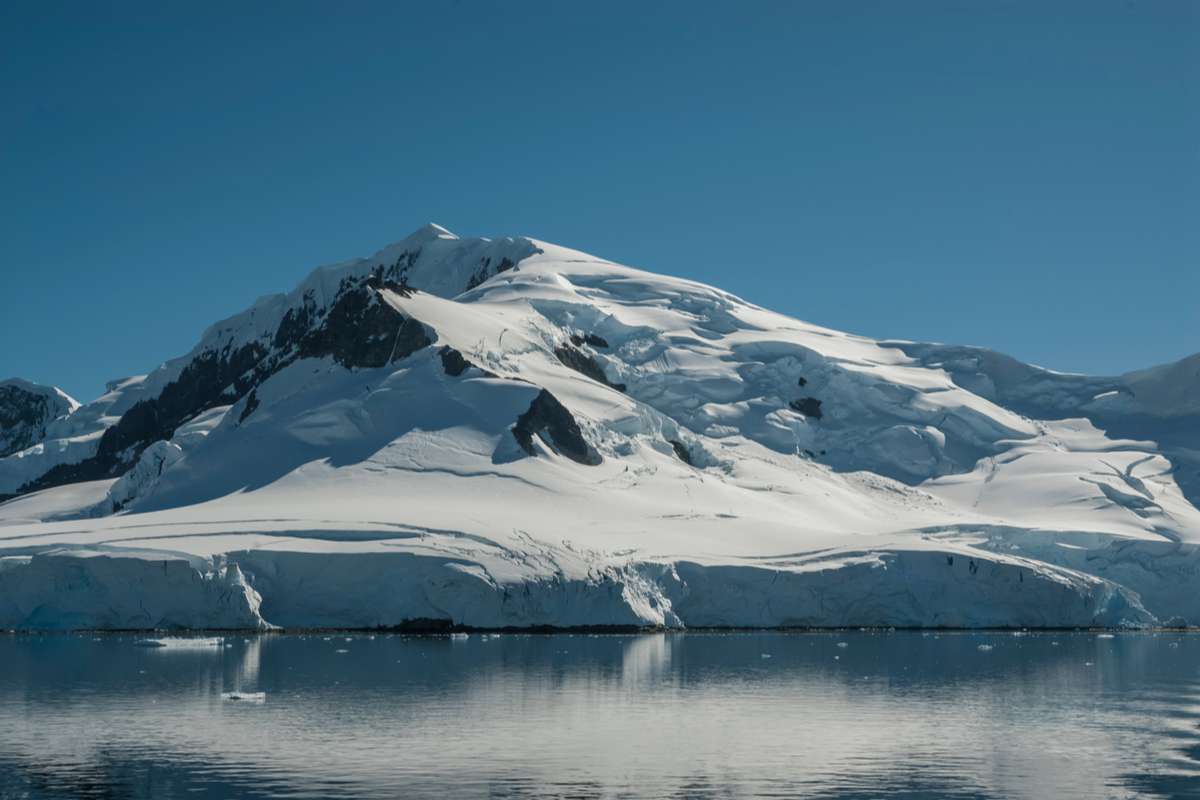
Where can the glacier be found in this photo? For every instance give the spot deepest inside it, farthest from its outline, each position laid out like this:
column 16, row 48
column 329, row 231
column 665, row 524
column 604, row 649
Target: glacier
column 506, row 433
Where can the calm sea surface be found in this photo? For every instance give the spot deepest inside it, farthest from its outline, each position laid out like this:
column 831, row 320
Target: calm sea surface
column 863, row 715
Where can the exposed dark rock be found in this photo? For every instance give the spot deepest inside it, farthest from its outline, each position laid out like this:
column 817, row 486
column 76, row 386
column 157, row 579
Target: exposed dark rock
column 485, row 271
column 588, row 338
column 584, row 364
column 251, row 405
column 357, row 330
column 808, row 406
column 453, row 362
column 212, row 378
column 296, row 323
column 421, row 625
column 23, row 418
column 802, row 381
column 396, row 273
column 681, row 451
column 551, row 420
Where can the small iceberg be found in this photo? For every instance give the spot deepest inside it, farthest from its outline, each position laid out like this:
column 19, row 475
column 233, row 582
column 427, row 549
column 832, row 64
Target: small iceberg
column 245, row 697
column 460, row 637
column 181, row 642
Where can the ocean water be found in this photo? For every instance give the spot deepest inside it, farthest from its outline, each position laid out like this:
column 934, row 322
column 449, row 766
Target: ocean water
column 695, row 715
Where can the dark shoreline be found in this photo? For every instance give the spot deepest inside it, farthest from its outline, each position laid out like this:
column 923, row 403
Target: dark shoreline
column 549, row 630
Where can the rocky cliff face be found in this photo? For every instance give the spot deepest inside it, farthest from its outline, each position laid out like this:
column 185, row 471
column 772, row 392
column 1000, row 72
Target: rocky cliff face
column 26, row 409
column 335, row 312
column 356, row 329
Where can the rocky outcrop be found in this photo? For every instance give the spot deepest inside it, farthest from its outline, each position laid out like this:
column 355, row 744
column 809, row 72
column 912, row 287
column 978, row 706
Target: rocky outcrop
column 808, row 406
column 584, row 364
column 579, row 340
column 250, row 405
column 550, row 420
column 487, row 270
column 357, row 329
column 681, row 452
column 25, row 410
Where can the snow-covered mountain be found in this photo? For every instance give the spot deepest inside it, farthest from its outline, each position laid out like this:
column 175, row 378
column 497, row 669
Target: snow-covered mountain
column 510, row 433
column 26, row 409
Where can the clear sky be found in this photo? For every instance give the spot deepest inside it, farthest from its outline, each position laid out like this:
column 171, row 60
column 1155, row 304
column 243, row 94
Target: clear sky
column 1019, row 175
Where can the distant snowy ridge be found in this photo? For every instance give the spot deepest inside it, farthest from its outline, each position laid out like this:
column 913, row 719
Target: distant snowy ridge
column 506, row 432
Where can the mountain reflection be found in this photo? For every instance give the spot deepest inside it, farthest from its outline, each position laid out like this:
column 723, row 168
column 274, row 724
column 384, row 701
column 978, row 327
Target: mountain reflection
column 661, row 715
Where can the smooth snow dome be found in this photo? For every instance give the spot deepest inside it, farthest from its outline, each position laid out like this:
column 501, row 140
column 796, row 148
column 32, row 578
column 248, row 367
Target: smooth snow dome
column 508, row 433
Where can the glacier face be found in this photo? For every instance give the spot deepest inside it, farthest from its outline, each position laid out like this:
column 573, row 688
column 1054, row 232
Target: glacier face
column 508, row 433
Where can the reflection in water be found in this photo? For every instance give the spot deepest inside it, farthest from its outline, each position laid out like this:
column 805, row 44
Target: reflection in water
column 664, row 715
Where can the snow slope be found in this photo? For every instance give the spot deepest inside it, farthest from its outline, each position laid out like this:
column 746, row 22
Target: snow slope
column 510, row 433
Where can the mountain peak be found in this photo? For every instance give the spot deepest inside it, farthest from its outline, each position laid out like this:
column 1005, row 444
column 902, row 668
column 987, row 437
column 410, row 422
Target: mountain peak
column 430, row 231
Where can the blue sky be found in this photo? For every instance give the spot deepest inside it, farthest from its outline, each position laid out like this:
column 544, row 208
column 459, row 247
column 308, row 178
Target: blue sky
column 1019, row 175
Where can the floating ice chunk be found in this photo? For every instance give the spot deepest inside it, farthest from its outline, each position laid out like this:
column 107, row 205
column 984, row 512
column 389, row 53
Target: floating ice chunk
column 983, row 648
column 843, row 644
column 182, row 642
column 1104, row 636
column 341, row 650
column 245, row 697
column 459, row 637
column 765, row 655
